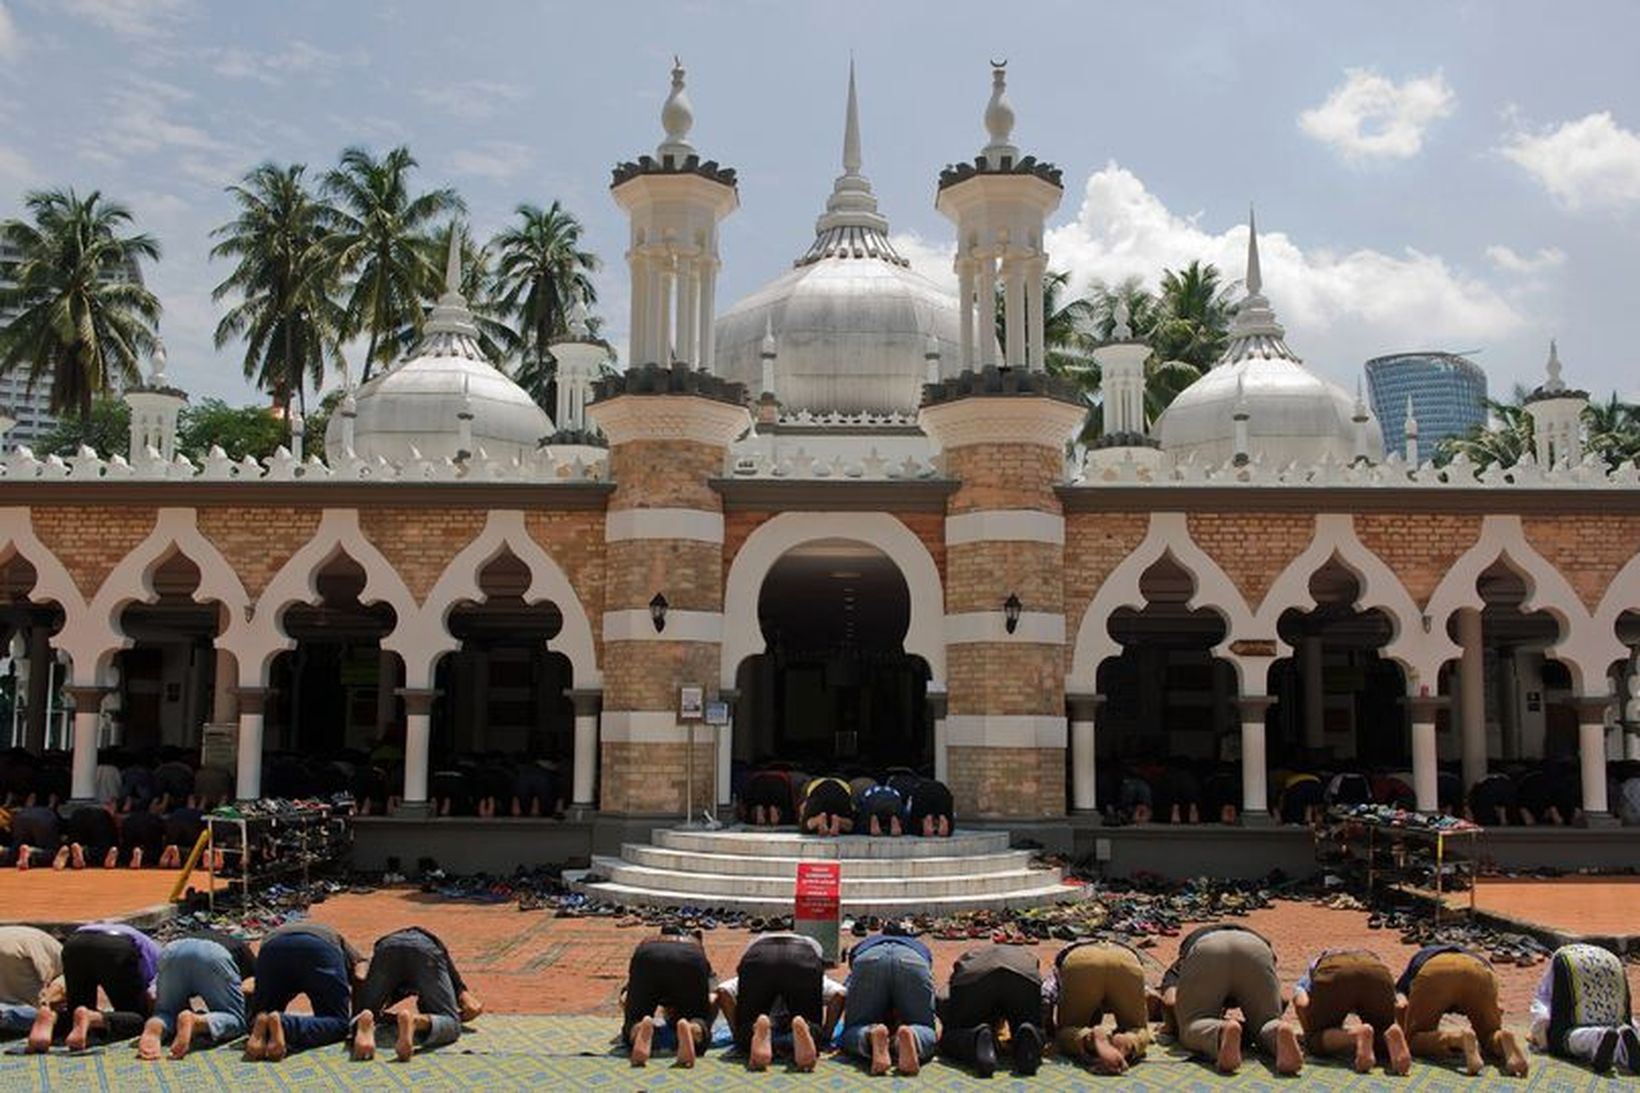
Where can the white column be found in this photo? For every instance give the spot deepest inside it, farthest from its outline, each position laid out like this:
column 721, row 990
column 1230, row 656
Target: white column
column 418, row 730
column 1255, row 785
column 1471, row 697
column 1315, row 695
column 1591, row 750
column 663, row 314
column 942, row 758
column 585, row 782
column 87, row 719
column 637, row 347
column 1632, row 748
column 1014, row 311
column 1425, row 762
column 986, row 306
column 1035, row 330
column 708, row 314
column 1084, row 712
column 965, row 301
column 248, row 783
column 688, row 311
column 654, row 337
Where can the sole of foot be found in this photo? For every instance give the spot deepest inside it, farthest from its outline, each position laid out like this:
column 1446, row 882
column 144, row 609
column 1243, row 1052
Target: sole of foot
column 148, row 1044
column 404, row 1046
column 761, row 1052
column 1472, row 1061
column 277, row 1048
column 1514, row 1057
column 906, row 1041
column 187, row 1024
column 804, row 1052
column 879, row 1049
column 1364, row 1057
column 256, row 1046
column 364, row 1037
column 1229, row 1057
column 686, row 1045
column 643, row 1041
column 1400, row 1055
column 1289, row 1055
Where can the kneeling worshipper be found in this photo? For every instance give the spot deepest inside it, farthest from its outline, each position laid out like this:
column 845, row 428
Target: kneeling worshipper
column 890, row 993
column 208, row 965
column 407, row 962
column 302, row 958
column 110, row 957
column 992, row 987
column 1091, row 979
column 668, row 974
column 30, row 960
column 828, row 807
column 1233, row 967
column 1582, row 1010
column 780, row 998
column 1442, row 979
column 1338, row 983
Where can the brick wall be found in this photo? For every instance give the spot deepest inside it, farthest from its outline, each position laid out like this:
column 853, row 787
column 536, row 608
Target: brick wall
column 420, row 542
column 90, row 540
column 257, row 541
column 979, row 571
column 665, row 474
column 654, row 777
column 646, row 675
column 1007, row 783
column 575, row 540
column 1006, row 678
column 1252, row 547
column 1420, row 548
column 1588, row 550
column 1004, row 476
column 688, row 571
column 1095, row 544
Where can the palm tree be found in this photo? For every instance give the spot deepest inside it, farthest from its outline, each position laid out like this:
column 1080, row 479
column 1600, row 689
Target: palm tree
column 1614, row 430
column 287, row 315
column 73, row 286
column 497, row 339
column 1165, row 376
column 378, row 242
column 540, row 271
column 1193, row 313
column 1504, row 440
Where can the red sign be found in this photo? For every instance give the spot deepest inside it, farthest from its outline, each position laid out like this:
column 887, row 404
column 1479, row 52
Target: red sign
column 819, row 890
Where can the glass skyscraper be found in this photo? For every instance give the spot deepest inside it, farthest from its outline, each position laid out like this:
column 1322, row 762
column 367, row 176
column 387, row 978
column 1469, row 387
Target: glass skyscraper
column 1448, row 397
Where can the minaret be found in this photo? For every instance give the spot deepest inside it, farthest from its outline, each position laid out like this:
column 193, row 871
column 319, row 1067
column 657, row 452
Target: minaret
column 1000, row 203
column 674, row 203
column 155, row 406
column 1240, row 415
column 1557, row 417
column 1411, row 430
column 1122, row 378
column 581, row 358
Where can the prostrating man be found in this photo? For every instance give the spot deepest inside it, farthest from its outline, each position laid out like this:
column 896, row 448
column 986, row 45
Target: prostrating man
column 1338, row 983
column 1582, row 1010
column 1225, row 968
column 1091, row 979
column 412, row 961
column 669, row 974
column 36, row 837
column 1442, row 979
column 878, row 809
column 111, row 957
column 890, row 992
column 990, row 986
column 929, row 809
column 308, row 958
column 29, row 960
column 767, row 799
column 828, row 807
column 780, row 996
column 208, row 965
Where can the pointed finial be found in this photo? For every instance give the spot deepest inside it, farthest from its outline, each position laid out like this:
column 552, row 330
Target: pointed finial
column 677, row 118
column 1255, row 275
column 1360, row 402
column 769, row 347
column 1241, row 409
column 851, row 128
column 452, row 262
column 999, row 115
column 1122, row 316
column 578, row 327
column 1411, row 428
column 1554, row 382
column 156, row 375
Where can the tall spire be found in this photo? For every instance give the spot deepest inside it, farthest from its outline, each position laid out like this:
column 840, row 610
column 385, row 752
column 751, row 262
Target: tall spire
column 851, row 128
column 1554, row 382
column 450, row 329
column 1255, row 275
column 851, row 226
column 452, row 263
column 1254, row 332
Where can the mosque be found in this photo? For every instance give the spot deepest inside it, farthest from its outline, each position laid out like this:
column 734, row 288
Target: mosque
column 845, row 521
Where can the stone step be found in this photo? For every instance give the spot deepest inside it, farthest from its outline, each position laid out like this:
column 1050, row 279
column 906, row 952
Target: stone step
column 691, row 861
column 788, row 843
column 708, row 887
column 875, row 905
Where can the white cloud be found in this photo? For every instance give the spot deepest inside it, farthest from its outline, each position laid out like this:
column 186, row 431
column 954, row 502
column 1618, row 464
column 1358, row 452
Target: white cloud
column 500, row 160
column 130, row 18
column 470, row 100
column 1590, row 163
column 1339, row 308
column 295, row 58
column 11, row 42
column 1509, row 260
column 1371, row 117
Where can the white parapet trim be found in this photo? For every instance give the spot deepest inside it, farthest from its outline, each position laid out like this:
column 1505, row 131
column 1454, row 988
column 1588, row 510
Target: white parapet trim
column 635, row 624
column 692, row 524
column 1005, row 525
column 1005, row 731
column 1035, row 627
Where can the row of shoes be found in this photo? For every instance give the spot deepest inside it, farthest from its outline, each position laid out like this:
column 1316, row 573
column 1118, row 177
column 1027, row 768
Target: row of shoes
column 1375, row 815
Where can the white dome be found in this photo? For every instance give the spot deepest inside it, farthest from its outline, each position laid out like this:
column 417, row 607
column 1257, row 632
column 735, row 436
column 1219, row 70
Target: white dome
column 852, row 334
column 417, row 406
column 1293, row 415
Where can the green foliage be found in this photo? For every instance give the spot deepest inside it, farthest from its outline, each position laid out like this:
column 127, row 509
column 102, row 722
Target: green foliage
column 81, row 318
column 541, row 271
column 1611, row 428
column 106, row 430
column 240, row 430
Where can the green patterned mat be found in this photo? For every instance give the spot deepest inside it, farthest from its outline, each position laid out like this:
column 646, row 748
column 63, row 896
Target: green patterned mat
column 574, row 1053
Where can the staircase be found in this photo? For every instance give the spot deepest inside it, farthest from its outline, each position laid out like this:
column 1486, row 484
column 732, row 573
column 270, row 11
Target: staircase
column 754, row 871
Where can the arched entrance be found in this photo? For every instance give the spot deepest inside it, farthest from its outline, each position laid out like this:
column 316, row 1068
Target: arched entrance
column 835, row 688
column 167, row 673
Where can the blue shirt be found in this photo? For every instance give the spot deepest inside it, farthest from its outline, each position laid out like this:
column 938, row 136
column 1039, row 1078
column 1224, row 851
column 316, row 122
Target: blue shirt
column 875, row 940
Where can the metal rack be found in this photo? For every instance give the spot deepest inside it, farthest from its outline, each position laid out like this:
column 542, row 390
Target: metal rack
column 1392, row 853
column 308, row 836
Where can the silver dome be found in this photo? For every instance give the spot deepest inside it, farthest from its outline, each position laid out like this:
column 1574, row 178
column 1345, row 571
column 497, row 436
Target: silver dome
column 1293, row 415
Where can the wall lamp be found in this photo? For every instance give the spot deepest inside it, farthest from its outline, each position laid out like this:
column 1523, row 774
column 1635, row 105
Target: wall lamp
column 657, row 612
column 1010, row 612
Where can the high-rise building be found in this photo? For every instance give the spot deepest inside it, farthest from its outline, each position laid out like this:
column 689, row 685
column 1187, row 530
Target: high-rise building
column 1448, row 394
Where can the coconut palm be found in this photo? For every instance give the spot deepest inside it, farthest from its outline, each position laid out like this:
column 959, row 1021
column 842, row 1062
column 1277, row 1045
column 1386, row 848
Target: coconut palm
column 1165, row 376
column 287, row 312
column 540, row 271
column 1505, row 439
column 1193, row 313
column 1614, row 430
column 496, row 337
column 72, row 284
column 378, row 240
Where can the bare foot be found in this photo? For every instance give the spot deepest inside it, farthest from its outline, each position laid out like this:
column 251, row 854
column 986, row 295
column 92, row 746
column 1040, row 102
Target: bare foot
column 24, row 854
column 1471, row 1047
column 39, row 1036
column 1364, row 1057
column 276, row 1038
column 804, row 1053
column 61, row 859
column 1290, row 1056
column 643, row 1041
column 136, row 857
column 1514, row 1059
column 111, row 860
column 256, row 1046
column 878, row 1035
column 761, row 1051
column 187, row 1022
column 76, row 856
column 908, row 1063
column 1229, row 1060
column 686, row 1044
column 364, row 1036
column 80, row 1033
column 153, row 1031
column 1105, row 1056
column 1400, row 1057
column 405, row 1046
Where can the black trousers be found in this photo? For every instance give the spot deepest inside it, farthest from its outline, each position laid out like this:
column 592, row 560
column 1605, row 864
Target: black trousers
column 144, row 831
column 786, row 969
column 673, row 974
column 94, row 829
column 1004, row 986
column 404, row 963
column 92, row 960
column 37, row 828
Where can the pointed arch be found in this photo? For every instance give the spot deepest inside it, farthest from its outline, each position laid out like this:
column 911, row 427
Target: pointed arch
column 504, row 530
column 1168, row 536
column 80, row 638
column 1622, row 595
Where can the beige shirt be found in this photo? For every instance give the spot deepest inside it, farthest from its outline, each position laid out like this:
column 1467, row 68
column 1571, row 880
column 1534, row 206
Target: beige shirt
column 29, row 959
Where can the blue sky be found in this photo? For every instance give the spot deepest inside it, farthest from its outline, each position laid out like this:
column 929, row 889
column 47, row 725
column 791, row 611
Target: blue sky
column 1462, row 175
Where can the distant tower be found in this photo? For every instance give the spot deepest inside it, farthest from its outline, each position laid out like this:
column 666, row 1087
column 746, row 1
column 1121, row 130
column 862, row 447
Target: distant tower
column 1557, row 417
column 1122, row 378
column 674, row 202
column 155, row 406
column 581, row 358
column 1000, row 202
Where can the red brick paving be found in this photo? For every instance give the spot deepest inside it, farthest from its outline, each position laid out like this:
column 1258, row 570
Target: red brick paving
column 1608, row 906
column 48, row 896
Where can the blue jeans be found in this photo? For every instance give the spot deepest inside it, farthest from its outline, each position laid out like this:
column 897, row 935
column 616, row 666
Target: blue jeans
column 194, row 967
column 15, row 1018
column 889, row 979
column 413, row 962
column 297, row 963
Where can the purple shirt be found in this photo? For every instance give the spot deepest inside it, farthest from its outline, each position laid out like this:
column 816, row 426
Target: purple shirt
column 147, row 947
